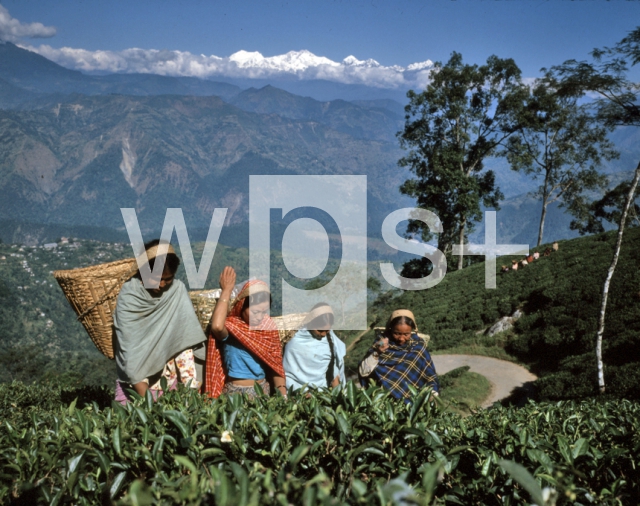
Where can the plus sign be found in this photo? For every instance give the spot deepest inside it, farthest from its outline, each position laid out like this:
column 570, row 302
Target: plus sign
column 490, row 250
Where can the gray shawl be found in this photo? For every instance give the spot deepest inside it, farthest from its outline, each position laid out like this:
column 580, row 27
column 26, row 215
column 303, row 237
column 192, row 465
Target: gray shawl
column 152, row 330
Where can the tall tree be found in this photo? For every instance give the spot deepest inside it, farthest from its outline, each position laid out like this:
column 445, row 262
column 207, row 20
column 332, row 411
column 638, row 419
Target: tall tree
column 559, row 143
column 458, row 121
column 617, row 104
column 609, row 208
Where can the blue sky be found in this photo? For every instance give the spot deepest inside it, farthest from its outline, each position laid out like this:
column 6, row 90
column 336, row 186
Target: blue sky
column 534, row 33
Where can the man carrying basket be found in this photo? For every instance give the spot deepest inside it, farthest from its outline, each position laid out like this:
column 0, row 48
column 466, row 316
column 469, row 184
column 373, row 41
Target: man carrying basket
column 157, row 332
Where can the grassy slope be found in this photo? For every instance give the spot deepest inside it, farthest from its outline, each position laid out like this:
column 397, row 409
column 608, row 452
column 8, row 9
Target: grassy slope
column 560, row 296
column 463, row 391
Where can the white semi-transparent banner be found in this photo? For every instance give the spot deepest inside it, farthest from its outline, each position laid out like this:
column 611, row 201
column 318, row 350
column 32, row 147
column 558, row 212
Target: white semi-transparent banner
column 305, row 244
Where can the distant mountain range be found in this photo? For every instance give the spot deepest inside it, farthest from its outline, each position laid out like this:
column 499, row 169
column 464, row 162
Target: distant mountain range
column 35, row 73
column 76, row 148
column 81, row 160
column 30, row 72
column 280, row 70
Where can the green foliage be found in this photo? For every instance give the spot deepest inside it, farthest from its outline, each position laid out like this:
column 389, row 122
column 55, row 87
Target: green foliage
column 609, row 208
column 560, row 298
column 451, row 128
column 465, row 390
column 347, row 446
column 607, row 76
column 559, row 143
column 448, row 379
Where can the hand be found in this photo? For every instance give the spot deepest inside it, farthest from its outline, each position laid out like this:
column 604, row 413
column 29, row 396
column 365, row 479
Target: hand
column 219, row 316
column 282, row 388
column 381, row 345
column 227, row 278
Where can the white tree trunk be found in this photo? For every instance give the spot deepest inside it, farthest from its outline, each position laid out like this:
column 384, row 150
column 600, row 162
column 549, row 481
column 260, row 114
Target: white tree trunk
column 542, row 218
column 607, row 281
column 461, row 257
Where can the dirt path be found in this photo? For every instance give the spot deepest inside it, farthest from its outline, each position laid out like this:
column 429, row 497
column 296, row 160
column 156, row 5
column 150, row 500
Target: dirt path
column 504, row 376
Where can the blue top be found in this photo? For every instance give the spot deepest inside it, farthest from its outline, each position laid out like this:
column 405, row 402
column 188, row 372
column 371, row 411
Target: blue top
column 239, row 362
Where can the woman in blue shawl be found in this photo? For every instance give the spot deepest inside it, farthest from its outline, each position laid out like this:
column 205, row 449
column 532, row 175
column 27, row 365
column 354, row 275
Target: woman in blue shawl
column 315, row 356
column 399, row 358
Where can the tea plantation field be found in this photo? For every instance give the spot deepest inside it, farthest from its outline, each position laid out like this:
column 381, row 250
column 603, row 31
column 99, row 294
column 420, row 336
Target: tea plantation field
column 349, row 446
column 69, row 445
column 559, row 296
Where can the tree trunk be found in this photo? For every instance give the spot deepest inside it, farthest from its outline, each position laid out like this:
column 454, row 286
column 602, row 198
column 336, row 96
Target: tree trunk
column 542, row 217
column 545, row 200
column 461, row 257
column 607, row 281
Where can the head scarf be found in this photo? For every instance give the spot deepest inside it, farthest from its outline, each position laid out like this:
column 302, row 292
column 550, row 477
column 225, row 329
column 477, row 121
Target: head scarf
column 316, row 313
column 263, row 341
column 153, row 251
column 406, row 313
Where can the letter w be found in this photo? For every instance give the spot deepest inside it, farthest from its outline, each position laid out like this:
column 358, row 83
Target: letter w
column 174, row 219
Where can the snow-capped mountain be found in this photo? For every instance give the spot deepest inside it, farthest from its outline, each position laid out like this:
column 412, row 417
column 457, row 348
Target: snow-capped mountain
column 352, row 61
column 293, row 61
column 303, row 65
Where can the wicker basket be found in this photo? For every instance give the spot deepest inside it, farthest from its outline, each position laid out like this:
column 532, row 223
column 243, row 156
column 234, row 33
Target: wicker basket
column 92, row 292
column 204, row 301
column 288, row 325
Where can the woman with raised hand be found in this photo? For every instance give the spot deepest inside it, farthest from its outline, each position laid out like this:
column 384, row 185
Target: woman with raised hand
column 244, row 344
column 315, row 356
column 399, row 358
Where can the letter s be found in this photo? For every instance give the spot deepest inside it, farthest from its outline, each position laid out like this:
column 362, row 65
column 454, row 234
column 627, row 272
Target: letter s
column 436, row 256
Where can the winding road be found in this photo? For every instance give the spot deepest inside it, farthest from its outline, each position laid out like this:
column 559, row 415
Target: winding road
column 504, row 376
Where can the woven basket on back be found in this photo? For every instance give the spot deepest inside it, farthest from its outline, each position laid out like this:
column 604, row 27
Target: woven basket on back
column 204, row 301
column 92, row 292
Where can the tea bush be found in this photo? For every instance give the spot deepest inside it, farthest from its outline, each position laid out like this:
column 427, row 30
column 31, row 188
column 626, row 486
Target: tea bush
column 560, row 298
column 347, row 446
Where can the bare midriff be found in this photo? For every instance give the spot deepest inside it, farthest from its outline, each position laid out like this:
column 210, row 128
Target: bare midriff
column 241, row 382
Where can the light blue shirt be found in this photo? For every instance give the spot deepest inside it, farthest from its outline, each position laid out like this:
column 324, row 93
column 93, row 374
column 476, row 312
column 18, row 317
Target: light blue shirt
column 306, row 360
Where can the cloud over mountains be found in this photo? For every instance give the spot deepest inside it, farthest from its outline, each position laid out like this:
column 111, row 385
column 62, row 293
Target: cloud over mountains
column 242, row 64
column 302, row 65
column 13, row 30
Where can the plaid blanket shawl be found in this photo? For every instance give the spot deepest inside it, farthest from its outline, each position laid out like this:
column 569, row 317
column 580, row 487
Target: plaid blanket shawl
column 401, row 366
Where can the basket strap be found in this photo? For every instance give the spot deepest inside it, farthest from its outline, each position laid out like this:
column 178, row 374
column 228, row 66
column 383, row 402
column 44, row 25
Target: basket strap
column 125, row 277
